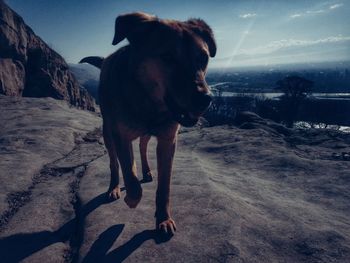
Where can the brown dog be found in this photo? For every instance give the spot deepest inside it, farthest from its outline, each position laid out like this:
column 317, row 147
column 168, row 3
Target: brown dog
column 147, row 88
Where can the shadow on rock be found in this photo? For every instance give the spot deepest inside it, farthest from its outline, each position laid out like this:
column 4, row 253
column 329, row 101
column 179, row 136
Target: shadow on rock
column 98, row 251
column 17, row 247
column 20, row 246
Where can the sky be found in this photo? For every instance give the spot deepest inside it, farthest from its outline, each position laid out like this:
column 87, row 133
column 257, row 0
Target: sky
column 248, row 33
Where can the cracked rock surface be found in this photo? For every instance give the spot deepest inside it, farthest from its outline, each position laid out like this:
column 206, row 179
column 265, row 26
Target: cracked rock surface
column 258, row 193
column 45, row 147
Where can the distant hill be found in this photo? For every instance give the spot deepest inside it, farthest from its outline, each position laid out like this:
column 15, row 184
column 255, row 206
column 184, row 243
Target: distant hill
column 330, row 77
column 290, row 66
column 88, row 76
column 30, row 68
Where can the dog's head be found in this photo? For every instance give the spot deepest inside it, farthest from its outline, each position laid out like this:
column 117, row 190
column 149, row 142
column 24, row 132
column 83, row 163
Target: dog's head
column 170, row 58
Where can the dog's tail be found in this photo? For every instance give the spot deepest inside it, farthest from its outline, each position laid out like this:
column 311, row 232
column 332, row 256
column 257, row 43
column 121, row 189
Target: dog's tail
column 93, row 60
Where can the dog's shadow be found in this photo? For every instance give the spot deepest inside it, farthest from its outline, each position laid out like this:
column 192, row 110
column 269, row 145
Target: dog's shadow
column 99, row 250
column 20, row 246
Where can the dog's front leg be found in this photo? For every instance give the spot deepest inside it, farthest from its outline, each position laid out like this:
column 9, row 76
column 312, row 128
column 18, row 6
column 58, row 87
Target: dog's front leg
column 114, row 189
column 128, row 166
column 165, row 155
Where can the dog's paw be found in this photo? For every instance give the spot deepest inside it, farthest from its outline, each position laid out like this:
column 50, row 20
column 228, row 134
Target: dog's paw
column 147, row 177
column 133, row 194
column 167, row 227
column 132, row 202
column 114, row 194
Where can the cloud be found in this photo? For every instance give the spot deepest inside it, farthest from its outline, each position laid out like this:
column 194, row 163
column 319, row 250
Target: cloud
column 307, row 13
column 330, row 48
column 335, row 6
column 286, row 43
column 316, row 12
column 296, row 15
column 248, row 15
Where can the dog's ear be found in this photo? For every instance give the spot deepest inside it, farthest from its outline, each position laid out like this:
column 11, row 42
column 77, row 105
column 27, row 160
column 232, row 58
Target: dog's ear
column 133, row 26
column 199, row 27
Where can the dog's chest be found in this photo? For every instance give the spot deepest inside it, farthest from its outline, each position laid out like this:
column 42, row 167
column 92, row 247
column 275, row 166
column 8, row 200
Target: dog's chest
column 128, row 132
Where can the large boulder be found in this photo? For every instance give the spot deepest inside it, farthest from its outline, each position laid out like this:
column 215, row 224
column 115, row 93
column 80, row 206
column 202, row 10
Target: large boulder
column 30, row 68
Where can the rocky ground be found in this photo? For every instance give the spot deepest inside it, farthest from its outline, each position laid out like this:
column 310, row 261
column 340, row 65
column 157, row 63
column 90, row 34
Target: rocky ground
column 258, row 193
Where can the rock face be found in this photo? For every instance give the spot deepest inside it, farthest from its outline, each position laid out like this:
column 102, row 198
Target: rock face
column 30, row 68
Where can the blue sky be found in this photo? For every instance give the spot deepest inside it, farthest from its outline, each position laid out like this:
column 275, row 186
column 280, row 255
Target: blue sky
column 248, row 33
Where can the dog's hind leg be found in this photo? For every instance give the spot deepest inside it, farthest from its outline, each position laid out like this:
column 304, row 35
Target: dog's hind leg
column 114, row 189
column 128, row 166
column 146, row 171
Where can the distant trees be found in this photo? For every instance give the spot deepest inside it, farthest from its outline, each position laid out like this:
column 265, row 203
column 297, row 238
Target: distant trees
column 220, row 111
column 294, row 105
column 294, row 87
column 295, row 90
